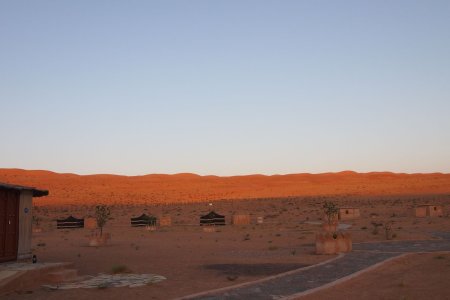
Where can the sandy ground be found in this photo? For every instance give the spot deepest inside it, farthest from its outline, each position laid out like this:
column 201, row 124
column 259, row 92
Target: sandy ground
column 73, row 189
column 415, row 276
column 195, row 261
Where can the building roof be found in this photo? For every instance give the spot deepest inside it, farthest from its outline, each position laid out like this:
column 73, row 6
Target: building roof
column 36, row 192
column 212, row 215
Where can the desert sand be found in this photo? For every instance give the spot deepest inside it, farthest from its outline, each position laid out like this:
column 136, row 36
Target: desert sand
column 72, row 189
column 194, row 261
column 415, row 276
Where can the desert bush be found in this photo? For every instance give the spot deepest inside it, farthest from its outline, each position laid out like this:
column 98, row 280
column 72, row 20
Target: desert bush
column 388, row 230
column 116, row 269
column 331, row 211
column 102, row 213
column 232, row 277
column 375, row 227
column 36, row 220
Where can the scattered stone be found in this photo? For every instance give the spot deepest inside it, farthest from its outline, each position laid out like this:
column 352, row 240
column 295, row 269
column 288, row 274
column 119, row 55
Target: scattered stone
column 103, row 281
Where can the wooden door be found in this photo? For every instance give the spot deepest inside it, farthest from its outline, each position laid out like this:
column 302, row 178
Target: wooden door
column 9, row 224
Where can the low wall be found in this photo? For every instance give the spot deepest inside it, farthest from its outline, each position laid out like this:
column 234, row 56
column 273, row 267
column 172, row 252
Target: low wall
column 165, row 221
column 329, row 243
column 349, row 213
column 241, row 219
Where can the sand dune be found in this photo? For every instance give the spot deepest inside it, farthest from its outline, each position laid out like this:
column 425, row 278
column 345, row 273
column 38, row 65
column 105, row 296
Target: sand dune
column 68, row 188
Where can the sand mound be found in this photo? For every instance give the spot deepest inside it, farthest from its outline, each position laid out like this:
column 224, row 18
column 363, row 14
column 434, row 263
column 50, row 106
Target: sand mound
column 184, row 188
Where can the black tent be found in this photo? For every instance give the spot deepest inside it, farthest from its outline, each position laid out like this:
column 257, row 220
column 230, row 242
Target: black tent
column 143, row 220
column 212, row 219
column 70, row 222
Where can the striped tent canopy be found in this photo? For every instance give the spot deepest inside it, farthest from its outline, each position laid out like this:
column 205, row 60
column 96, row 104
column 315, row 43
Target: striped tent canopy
column 143, row 220
column 212, row 218
column 70, row 222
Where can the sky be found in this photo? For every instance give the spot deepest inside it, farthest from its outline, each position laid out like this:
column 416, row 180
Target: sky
column 225, row 87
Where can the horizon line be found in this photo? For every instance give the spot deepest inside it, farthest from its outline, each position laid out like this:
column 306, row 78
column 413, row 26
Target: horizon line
column 240, row 175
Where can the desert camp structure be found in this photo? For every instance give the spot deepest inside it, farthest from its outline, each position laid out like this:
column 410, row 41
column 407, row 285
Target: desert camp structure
column 348, row 213
column 429, row 211
column 70, row 222
column 16, row 216
column 241, row 219
column 143, row 220
column 212, row 218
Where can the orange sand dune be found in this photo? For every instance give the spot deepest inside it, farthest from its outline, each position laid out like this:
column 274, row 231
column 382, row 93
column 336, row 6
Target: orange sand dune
column 160, row 188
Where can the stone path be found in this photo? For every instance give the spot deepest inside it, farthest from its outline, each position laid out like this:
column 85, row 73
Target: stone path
column 9, row 271
column 17, row 266
column 106, row 280
column 405, row 246
column 363, row 256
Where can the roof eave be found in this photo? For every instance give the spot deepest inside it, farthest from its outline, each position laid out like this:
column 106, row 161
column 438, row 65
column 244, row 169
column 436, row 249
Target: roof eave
column 35, row 192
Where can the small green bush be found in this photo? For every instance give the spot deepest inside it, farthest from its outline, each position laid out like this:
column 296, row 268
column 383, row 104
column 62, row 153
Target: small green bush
column 116, row 269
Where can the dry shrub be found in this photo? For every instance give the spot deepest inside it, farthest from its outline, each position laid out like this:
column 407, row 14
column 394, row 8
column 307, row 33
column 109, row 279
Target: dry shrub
column 117, row 269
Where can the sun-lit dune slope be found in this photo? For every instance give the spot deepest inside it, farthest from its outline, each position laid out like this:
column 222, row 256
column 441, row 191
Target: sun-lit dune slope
column 159, row 188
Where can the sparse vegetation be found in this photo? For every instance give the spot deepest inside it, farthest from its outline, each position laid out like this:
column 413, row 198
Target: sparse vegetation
column 232, row 277
column 103, row 285
column 192, row 242
column 375, row 229
column 331, row 211
column 102, row 213
column 117, row 269
column 388, row 230
column 36, row 220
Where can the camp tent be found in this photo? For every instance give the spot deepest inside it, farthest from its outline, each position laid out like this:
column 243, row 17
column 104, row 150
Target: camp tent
column 70, row 222
column 212, row 218
column 143, row 220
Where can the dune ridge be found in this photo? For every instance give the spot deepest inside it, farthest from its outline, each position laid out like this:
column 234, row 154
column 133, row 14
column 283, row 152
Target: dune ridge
column 69, row 188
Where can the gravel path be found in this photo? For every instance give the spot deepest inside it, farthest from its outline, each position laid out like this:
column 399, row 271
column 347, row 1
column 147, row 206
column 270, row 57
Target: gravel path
column 363, row 256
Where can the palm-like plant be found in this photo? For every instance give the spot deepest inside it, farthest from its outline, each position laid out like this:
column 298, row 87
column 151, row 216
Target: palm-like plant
column 331, row 210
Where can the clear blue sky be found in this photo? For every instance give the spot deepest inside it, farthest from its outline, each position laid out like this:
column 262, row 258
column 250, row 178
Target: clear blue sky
column 225, row 87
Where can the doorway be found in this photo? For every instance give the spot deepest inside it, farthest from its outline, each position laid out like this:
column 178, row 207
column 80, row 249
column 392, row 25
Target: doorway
column 9, row 224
